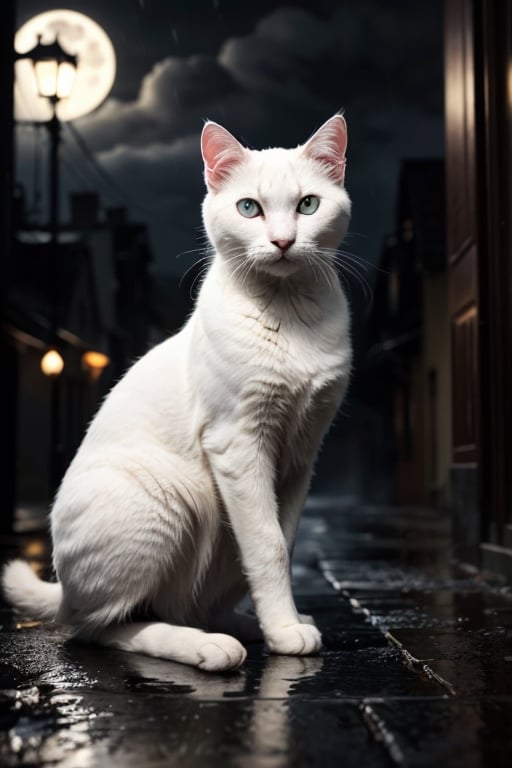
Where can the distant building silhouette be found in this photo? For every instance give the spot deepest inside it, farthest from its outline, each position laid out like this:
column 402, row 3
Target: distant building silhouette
column 105, row 304
column 407, row 369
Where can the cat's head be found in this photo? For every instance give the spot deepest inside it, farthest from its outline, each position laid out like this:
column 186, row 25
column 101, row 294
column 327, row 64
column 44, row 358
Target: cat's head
column 276, row 211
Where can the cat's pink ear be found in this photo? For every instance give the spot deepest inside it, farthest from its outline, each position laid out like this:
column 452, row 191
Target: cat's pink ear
column 329, row 145
column 221, row 153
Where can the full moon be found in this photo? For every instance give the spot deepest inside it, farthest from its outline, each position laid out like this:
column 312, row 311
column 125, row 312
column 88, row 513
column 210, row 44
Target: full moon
column 78, row 35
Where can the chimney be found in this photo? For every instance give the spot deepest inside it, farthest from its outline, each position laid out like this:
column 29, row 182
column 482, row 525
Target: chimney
column 84, row 209
column 116, row 216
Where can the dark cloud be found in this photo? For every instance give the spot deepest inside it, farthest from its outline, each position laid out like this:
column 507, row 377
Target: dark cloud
column 288, row 53
column 171, row 103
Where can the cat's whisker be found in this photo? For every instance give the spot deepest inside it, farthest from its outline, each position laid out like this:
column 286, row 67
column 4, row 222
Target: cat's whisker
column 242, row 271
column 366, row 288
column 196, row 279
column 200, row 249
column 312, row 266
column 351, row 264
column 359, row 259
column 370, row 264
column 322, row 267
column 331, row 258
column 354, row 263
column 350, row 234
column 341, row 260
column 192, row 267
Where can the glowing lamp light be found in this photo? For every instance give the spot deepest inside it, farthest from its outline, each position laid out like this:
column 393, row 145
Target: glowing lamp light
column 54, row 79
column 52, row 363
column 95, row 362
column 54, row 69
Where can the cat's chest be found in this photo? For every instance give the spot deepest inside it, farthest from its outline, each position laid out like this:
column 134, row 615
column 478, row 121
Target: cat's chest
column 268, row 354
column 285, row 354
column 298, row 344
column 262, row 364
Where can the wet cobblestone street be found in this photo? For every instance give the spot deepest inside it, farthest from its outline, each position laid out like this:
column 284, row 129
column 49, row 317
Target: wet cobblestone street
column 416, row 668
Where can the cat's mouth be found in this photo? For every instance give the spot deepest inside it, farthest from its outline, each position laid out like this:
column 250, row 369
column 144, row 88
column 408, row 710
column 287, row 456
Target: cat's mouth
column 279, row 265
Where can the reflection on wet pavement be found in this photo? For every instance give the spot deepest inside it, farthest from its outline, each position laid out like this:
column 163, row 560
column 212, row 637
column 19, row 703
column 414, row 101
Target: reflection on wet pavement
column 416, row 668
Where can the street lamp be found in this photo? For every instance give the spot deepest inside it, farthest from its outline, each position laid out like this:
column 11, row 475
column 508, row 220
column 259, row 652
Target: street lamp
column 54, row 69
column 54, row 73
column 94, row 363
column 52, row 363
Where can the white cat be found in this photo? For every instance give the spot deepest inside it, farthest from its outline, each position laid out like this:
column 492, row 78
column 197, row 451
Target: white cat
column 188, row 486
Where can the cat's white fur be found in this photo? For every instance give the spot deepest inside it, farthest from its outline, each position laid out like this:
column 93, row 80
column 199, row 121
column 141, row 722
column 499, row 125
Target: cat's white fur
column 188, row 486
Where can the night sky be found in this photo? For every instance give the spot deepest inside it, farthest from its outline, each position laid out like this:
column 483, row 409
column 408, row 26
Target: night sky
column 270, row 72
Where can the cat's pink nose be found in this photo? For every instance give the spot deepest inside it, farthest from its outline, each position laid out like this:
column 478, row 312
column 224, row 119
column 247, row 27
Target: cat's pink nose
column 283, row 245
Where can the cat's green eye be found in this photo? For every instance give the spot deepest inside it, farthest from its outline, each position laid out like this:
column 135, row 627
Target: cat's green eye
column 249, row 208
column 308, row 204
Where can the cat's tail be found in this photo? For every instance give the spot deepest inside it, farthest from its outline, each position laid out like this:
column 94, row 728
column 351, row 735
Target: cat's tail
column 28, row 594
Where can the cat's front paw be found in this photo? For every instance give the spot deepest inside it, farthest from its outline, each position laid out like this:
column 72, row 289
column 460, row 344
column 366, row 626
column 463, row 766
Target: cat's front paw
column 295, row 640
column 220, row 653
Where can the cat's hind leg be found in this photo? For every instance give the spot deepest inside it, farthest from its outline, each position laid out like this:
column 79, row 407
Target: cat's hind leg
column 209, row 651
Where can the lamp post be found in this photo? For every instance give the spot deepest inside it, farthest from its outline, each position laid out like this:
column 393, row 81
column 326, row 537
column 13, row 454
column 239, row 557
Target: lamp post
column 54, row 73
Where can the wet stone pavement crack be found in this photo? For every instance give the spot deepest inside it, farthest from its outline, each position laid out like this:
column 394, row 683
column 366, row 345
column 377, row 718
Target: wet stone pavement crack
column 416, row 668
